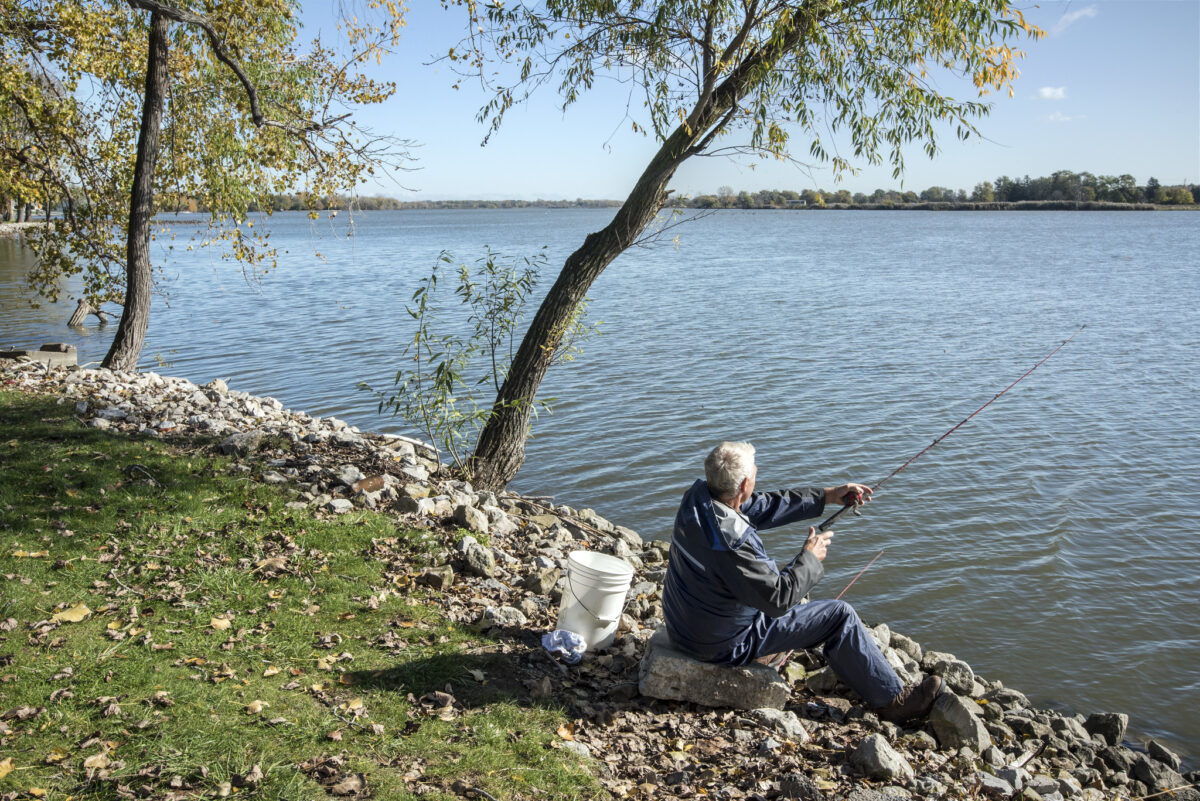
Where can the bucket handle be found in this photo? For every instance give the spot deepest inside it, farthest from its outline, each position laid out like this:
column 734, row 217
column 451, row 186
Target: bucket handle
column 578, row 600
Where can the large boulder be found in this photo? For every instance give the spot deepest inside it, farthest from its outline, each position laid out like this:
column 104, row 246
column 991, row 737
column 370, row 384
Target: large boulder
column 671, row 675
column 956, row 724
column 878, row 760
column 1109, row 725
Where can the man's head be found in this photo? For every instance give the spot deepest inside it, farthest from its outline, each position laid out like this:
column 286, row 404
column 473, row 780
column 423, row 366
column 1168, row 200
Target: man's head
column 727, row 467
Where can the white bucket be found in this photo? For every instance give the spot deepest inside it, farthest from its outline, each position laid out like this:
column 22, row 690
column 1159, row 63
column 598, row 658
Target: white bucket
column 594, row 596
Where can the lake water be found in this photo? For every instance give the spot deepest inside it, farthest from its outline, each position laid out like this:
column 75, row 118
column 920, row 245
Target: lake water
column 1051, row 542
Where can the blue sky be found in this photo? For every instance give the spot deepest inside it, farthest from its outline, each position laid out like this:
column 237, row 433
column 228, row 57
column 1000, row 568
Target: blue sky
column 1113, row 88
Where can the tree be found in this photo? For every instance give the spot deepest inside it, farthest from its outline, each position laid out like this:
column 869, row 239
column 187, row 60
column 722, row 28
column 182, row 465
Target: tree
column 1151, row 192
column 231, row 112
column 708, row 70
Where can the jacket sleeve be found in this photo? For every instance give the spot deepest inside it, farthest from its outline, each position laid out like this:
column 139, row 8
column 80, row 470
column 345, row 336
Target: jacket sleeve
column 754, row 580
column 771, row 509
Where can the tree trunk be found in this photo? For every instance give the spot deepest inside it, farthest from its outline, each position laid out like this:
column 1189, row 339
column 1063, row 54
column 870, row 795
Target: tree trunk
column 500, row 451
column 131, row 332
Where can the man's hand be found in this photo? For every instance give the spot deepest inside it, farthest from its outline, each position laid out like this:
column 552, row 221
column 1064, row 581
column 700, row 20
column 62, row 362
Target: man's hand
column 817, row 543
column 847, row 494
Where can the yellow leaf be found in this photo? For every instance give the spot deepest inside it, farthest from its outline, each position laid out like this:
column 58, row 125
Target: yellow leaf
column 116, row 624
column 219, row 623
column 56, row 755
column 36, row 792
column 96, row 762
column 256, row 707
column 6, row 766
column 567, row 731
column 270, row 671
column 73, row 615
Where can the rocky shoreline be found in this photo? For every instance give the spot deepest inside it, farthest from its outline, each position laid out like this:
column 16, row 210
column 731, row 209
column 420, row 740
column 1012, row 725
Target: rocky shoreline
column 983, row 739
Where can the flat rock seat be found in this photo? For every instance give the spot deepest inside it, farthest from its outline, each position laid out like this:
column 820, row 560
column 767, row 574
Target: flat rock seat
column 671, row 675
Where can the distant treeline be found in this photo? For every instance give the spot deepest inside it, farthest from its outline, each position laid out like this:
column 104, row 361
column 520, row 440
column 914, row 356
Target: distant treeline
column 378, row 202
column 1064, row 189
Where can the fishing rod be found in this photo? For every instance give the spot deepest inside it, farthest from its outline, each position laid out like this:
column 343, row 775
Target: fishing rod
column 857, row 500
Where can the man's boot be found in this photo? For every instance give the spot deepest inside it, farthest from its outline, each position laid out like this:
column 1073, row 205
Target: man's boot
column 913, row 701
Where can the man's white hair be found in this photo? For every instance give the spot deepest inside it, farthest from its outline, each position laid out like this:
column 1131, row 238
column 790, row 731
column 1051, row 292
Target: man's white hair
column 726, row 466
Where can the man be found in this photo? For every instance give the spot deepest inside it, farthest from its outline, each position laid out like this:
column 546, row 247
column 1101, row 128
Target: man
column 725, row 600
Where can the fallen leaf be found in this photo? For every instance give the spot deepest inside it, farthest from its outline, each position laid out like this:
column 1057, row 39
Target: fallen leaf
column 36, row 792
column 478, row 675
column 73, row 615
column 270, row 671
column 219, row 623
column 567, row 731
column 256, row 707
column 55, row 756
column 6, row 766
column 335, row 735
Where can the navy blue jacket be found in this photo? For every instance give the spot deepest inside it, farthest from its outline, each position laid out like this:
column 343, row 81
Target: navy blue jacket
column 722, row 590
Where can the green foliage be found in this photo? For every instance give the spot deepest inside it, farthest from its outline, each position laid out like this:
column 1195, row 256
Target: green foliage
column 814, row 66
column 72, row 77
column 441, row 392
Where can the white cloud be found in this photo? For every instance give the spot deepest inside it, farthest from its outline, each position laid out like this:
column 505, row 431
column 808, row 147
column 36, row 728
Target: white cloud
column 1058, row 116
column 1052, row 93
column 1070, row 18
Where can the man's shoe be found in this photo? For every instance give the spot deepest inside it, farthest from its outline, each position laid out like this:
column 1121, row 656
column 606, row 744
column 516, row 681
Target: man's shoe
column 913, row 701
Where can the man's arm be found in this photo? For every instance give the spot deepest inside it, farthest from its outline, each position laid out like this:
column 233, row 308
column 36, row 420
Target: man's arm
column 772, row 509
column 753, row 579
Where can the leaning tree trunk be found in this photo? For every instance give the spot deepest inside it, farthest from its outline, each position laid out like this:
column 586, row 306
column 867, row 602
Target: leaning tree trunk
column 131, row 332
column 500, row 451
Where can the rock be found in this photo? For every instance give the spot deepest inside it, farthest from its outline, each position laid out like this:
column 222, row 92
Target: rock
column 821, row 681
column 242, row 443
column 217, row 387
column 542, row 581
column 994, row 786
column 480, row 561
column 782, row 722
column 1155, row 774
column 425, row 507
column 956, row 673
column 800, row 787
column 339, row 506
column 471, row 518
column 99, row 422
column 348, row 474
column 1163, row 754
column 1007, row 699
column 908, row 646
column 629, row 537
column 955, row 724
column 1014, row 776
column 576, row 748
column 505, row 617
column 1109, row 725
column 878, row 760
column 271, row 477
column 439, row 578
column 669, row 674
column 882, row 635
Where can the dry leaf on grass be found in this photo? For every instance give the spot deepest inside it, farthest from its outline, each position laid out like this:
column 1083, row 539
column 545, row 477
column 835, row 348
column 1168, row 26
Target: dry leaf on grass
column 73, row 615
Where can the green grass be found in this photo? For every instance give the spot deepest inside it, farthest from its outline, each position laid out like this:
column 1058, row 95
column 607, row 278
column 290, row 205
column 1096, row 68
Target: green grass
column 164, row 545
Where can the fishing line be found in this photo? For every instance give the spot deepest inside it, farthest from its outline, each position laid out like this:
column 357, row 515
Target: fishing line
column 857, row 501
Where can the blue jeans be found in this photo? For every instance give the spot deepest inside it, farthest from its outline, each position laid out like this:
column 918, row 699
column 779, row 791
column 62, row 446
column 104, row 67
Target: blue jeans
column 848, row 646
